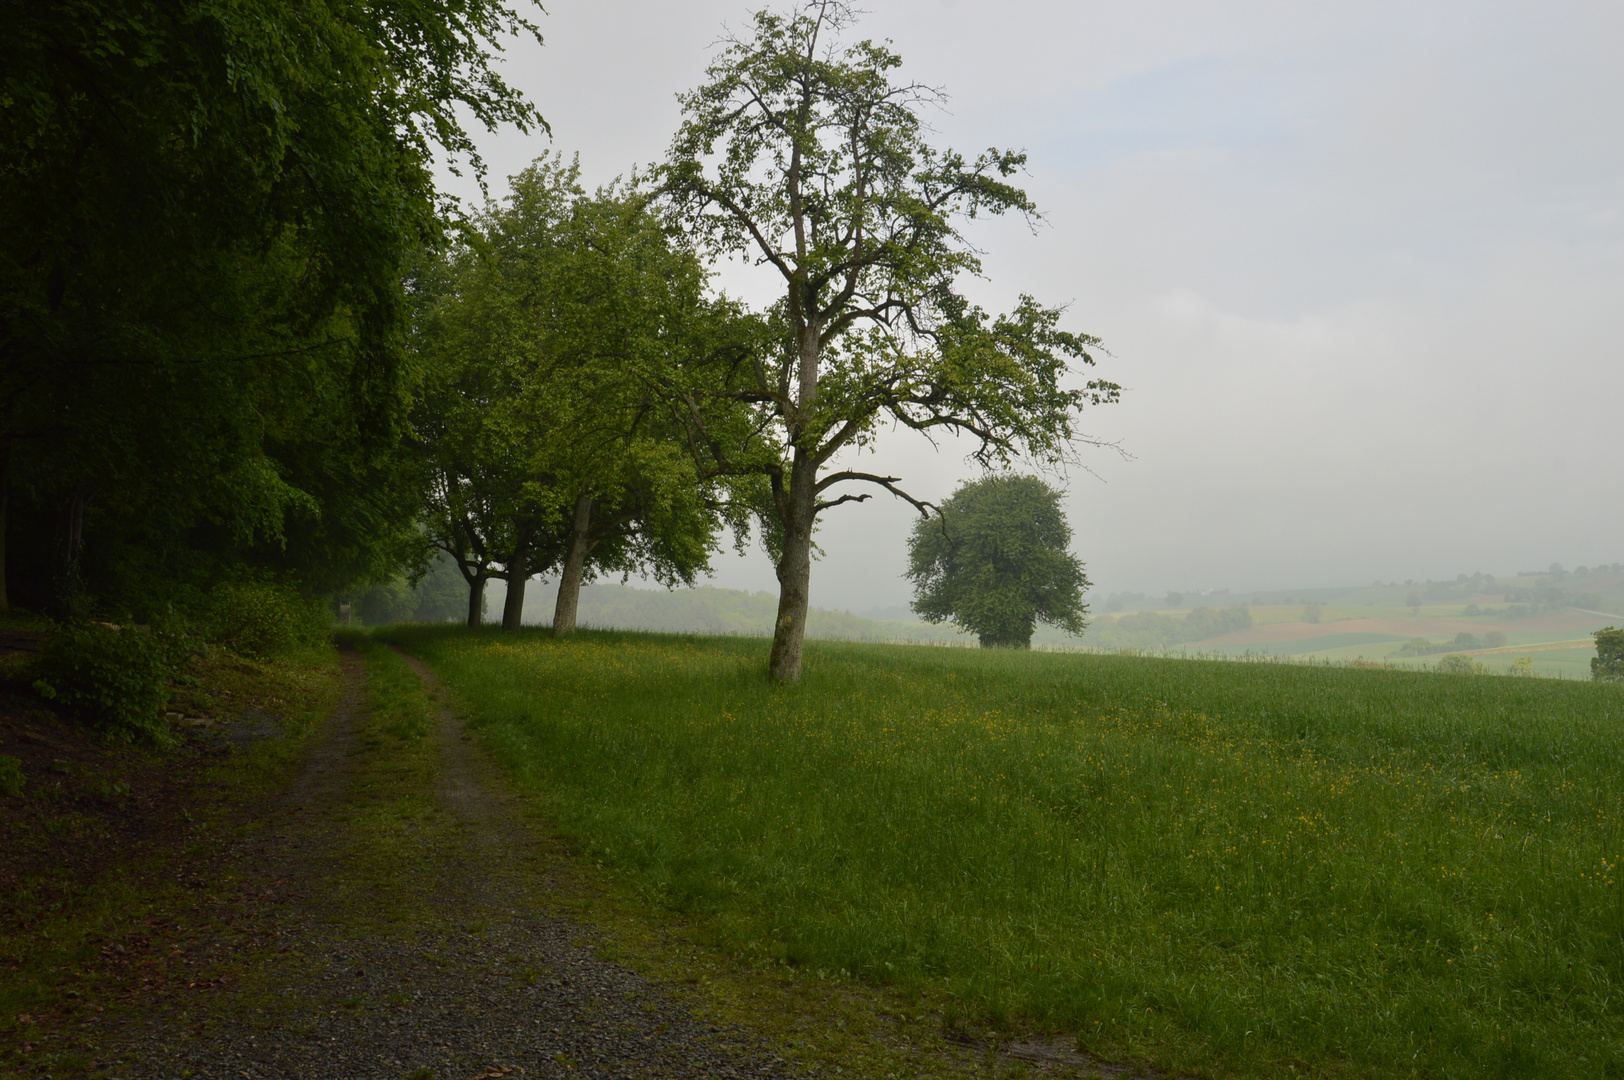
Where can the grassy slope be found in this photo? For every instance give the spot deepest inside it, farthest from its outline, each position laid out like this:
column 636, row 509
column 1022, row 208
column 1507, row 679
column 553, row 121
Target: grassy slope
column 1232, row 868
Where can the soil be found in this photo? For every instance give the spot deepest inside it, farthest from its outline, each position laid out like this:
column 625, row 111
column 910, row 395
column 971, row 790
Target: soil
column 299, row 979
column 89, row 808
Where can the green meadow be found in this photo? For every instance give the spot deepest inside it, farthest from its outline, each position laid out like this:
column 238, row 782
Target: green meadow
column 1227, row 868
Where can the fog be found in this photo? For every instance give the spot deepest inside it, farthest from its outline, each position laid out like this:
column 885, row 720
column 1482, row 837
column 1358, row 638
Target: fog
column 1360, row 271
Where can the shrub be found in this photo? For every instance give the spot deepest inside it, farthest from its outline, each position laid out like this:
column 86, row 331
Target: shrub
column 11, row 775
column 1460, row 664
column 263, row 619
column 1416, row 646
column 115, row 679
column 1523, row 667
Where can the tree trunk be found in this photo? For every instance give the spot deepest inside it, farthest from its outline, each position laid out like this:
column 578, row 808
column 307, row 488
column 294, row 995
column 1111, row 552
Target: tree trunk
column 67, row 599
column 794, row 574
column 5, row 490
column 569, row 583
column 518, row 574
column 476, row 602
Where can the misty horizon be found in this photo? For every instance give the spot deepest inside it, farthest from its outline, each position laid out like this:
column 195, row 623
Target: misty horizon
column 1356, row 269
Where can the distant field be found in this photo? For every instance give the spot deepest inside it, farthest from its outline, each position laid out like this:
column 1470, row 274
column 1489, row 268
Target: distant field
column 1233, row 869
column 1558, row 644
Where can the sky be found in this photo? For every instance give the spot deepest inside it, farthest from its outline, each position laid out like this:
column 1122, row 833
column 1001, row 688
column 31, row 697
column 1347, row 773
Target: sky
column 1359, row 268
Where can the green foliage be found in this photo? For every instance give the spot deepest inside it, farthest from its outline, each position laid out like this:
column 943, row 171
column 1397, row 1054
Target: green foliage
column 1218, row 869
column 208, row 208
column 266, row 619
column 803, row 155
column 1420, row 646
column 116, row 680
column 11, row 775
column 1608, row 664
column 1522, row 667
column 1461, row 664
column 440, row 595
column 1155, row 630
column 553, row 344
column 994, row 562
column 1202, row 623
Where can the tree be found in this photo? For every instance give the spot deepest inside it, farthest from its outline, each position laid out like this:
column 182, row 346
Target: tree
column 808, row 158
column 995, row 562
column 206, row 211
column 621, row 312
column 548, row 426
column 1608, row 663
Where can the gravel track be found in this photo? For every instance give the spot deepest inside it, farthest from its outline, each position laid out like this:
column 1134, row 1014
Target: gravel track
column 486, row 984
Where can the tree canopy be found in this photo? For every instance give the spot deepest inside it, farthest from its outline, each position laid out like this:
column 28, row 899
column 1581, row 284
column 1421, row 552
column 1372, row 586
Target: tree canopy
column 207, row 210
column 549, row 422
column 995, row 562
column 1608, row 663
column 808, row 157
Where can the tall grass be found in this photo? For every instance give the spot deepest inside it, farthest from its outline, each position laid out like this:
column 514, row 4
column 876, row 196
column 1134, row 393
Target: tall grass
column 1241, row 869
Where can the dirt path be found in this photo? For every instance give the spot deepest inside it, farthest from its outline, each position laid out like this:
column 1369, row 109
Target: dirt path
column 401, row 933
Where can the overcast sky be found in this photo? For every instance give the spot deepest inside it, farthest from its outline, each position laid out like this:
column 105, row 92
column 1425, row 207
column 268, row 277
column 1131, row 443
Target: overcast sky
column 1360, row 267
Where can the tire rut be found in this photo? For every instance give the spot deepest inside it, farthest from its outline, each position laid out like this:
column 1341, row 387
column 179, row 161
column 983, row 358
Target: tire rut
column 481, row 981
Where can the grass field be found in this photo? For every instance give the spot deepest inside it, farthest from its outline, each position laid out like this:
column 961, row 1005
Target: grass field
column 1245, row 870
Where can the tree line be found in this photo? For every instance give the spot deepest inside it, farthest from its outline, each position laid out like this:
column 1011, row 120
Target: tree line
column 242, row 333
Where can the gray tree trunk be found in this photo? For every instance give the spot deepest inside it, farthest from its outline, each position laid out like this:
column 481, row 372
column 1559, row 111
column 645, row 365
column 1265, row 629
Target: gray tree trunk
column 569, row 583
column 67, row 600
column 794, row 574
column 517, row 575
column 476, row 603
column 5, row 490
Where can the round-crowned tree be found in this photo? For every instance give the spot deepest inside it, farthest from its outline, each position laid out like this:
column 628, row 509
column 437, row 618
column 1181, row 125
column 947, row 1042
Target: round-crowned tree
column 994, row 562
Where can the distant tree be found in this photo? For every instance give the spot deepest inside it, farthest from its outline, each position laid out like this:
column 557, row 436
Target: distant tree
column 1608, row 663
column 805, row 156
column 1312, row 613
column 1495, row 639
column 1204, row 622
column 1460, row 664
column 995, row 562
column 1175, row 600
column 1523, row 666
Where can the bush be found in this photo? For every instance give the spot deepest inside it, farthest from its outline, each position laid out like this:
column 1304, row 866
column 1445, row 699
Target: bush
column 262, row 619
column 11, row 775
column 1523, row 667
column 1460, row 664
column 115, row 679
